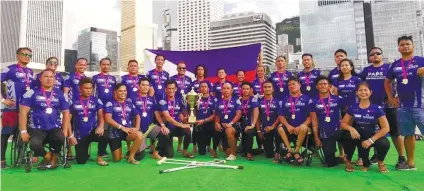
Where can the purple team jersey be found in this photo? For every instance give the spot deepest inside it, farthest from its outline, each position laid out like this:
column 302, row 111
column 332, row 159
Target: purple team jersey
column 307, row 82
column 347, row 89
column 410, row 93
column 227, row 108
column 82, row 108
column 72, row 82
column 268, row 111
column 131, row 82
column 247, row 107
column 280, row 84
column 104, row 86
column 297, row 107
column 58, row 84
column 17, row 80
column 157, row 80
column 217, row 88
column 174, row 107
column 183, row 83
column 328, row 107
column 123, row 114
column 366, row 120
column 145, row 107
column 196, row 85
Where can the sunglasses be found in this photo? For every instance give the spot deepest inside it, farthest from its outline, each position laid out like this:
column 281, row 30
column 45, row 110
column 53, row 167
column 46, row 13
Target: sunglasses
column 26, row 55
column 52, row 63
column 181, row 68
column 375, row 53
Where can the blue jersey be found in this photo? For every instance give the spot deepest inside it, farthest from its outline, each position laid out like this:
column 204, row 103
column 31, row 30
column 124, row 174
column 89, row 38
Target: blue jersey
column 410, row 87
column 205, row 107
column 347, row 89
column 307, row 82
column 72, row 82
column 82, row 108
column 329, row 108
column 58, row 84
column 183, row 83
column 131, row 83
column 334, row 75
column 237, row 90
column 17, row 80
column 247, row 107
column 296, row 109
column 145, row 107
column 268, row 111
column 366, row 120
column 257, row 87
column 280, row 84
column 227, row 109
column 157, row 79
column 123, row 114
column 104, row 86
column 45, row 108
column 174, row 107
column 375, row 77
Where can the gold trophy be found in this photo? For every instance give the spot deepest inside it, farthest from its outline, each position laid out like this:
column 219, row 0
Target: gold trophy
column 191, row 99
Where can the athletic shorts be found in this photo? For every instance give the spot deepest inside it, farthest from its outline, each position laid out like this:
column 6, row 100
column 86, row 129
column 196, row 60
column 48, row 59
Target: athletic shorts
column 409, row 119
column 115, row 143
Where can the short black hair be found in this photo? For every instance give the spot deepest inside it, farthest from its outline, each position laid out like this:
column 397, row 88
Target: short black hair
column 204, row 82
column 23, row 48
column 268, row 82
column 244, row 72
column 159, row 55
column 340, row 50
column 246, row 83
column 169, row 82
column 103, row 59
column 118, row 85
column 220, row 69
column 404, row 37
column 81, row 58
column 375, row 47
column 85, row 81
column 322, row 77
column 293, row 78
column 143, row 79
column 204, row 68
column 129, row 61
column 285, row 59
column 46, row 70
column 307, row 54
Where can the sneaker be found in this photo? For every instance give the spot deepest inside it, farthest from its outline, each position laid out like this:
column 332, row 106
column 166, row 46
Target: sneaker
column 231, row 158
column 407, row 167
column 4, row 165
column 374, row 159
column 401, row 163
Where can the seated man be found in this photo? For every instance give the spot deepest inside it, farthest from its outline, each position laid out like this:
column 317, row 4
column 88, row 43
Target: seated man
column 325, row 117
column 172, row 110
column 294, row 115
column 45, row 104
column 145, row 106
column 87, row 119
column 228, row 112
column 119, row 114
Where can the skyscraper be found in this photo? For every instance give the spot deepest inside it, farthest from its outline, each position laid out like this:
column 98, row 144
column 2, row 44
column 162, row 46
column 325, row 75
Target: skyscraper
column 34, row 24
column 95, row 44
column 194, row 17
column 137, row 31
column 243, row 29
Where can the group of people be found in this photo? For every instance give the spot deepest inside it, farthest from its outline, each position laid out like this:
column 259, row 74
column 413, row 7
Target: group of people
column 345, row 110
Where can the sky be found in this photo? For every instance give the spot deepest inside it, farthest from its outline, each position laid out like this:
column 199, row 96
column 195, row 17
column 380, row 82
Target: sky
column 81, row 14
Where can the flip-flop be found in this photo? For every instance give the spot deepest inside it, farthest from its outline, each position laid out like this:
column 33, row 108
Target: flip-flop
column 103, row 163
column 188, row 155
column 133, row 161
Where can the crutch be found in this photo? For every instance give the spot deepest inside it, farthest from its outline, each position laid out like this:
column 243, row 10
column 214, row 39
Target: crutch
column 186, row 162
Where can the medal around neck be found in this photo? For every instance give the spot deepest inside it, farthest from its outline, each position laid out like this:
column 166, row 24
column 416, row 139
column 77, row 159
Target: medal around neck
column 49, row 110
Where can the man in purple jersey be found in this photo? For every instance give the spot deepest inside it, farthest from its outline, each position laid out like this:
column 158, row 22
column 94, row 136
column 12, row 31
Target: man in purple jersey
column 51, row 64
column 45, row 104
column 18, row 78
column 307, row 76
column 339, row 55
column 218, row 86
column 280, row 78
column 183, row 81
column 258, row 82
column 158, row 76
column 294, row 115
column 408, row 72
column 71, row 87
column 374, row 75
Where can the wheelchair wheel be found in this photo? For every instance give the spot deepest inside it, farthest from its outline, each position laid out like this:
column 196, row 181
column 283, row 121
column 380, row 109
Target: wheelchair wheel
column 17, row 151
column 309, row 159
column 28, row 161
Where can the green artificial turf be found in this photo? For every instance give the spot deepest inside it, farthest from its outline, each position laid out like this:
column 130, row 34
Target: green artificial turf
column 260, row 174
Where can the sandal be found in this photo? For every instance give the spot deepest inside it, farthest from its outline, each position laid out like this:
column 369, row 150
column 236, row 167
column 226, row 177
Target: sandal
column 298, row 160
column 276, row 158
column 364, row 169
column 188, row 155
column 102, row 163
column 133, row 161
column 348, row 167
column 250, row 157
column 288, row 158
column 214, row 154
column 359, row 162
column 383, row 168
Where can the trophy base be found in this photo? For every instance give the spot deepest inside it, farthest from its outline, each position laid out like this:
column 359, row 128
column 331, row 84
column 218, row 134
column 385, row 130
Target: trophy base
column 191, row 120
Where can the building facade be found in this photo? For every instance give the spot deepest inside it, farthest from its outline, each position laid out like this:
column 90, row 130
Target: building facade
column 243, row 29
column 95, row 44
column 70, row 60
column 34, row 24
column 194, row 17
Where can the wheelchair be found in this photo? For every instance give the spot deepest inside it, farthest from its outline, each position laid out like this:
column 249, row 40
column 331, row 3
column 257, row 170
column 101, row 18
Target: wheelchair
column 308, row 151
column 21, row 155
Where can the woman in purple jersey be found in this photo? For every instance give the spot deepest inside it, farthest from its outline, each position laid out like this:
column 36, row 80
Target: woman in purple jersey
column 361, row 130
